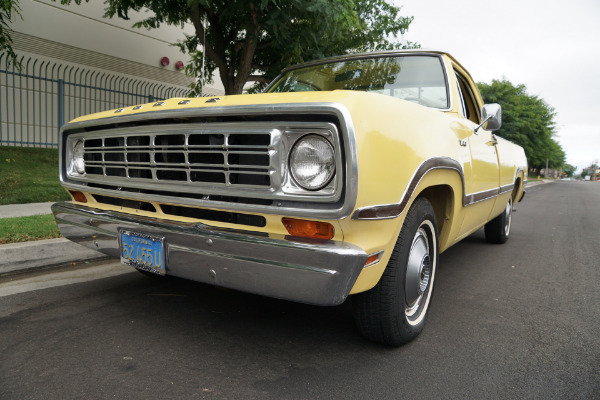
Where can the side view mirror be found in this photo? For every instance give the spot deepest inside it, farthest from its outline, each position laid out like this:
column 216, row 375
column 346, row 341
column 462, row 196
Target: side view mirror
column 491, row 117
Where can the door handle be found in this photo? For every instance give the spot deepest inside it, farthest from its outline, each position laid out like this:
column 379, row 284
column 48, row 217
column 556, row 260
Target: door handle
column 492, row 142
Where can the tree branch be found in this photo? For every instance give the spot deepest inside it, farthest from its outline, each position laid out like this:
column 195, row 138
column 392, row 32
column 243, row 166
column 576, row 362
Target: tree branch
column 217, row 53
column 245, row 60
column 258, row 78
column 264, row 45
column 196, row 18
column 238, row 46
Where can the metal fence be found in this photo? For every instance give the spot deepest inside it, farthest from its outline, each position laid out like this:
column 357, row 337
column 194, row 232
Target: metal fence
column 38, row 98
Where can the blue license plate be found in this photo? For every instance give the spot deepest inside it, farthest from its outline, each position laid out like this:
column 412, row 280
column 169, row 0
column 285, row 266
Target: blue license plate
column 143, row 251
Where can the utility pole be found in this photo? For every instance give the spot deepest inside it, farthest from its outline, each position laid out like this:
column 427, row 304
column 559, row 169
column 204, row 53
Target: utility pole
column 546, row 170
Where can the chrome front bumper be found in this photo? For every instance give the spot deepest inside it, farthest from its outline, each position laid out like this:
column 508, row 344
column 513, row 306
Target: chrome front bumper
column 306, row 271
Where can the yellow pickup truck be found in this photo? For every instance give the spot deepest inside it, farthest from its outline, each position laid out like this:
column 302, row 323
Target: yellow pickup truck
column 347, row 177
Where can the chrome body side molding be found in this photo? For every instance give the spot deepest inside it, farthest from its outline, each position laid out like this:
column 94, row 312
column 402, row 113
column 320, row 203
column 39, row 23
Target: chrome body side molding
column 389, row 211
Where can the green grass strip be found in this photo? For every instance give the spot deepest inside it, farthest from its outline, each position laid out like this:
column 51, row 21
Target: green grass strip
column 29, row 175
column 24, row 229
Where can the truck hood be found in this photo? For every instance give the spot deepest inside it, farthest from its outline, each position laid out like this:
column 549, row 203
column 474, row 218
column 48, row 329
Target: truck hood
column 345, row 97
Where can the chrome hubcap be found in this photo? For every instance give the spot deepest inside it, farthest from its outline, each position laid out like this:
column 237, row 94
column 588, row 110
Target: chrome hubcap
column 418, row 272
column 508, row 218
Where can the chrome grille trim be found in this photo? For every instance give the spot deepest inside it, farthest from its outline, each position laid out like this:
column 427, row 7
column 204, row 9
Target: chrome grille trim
column 168, row 167
column 295, row 203
column 121, row 155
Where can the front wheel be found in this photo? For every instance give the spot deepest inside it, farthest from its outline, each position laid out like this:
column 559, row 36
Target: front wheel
column 498, row 229
column 394, row 311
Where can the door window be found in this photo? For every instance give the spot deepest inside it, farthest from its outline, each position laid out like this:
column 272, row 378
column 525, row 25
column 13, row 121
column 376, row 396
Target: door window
column 471, row 111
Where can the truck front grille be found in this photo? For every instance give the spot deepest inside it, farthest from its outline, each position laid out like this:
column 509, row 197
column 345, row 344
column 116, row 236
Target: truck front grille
column 195, row 157
column 232, row 163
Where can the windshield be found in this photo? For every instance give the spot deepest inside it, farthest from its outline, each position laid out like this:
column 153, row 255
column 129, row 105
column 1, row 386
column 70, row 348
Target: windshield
column 419, row 79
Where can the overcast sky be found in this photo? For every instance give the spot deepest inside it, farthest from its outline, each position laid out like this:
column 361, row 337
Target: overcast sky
column 553, row 47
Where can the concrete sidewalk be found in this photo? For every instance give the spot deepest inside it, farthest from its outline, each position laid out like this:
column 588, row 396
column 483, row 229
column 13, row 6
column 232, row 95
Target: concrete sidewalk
column 25, row 210
column 40, row 253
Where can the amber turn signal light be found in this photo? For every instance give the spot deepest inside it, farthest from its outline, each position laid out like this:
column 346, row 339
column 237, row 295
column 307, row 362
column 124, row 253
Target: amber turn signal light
column 78, row 196
column 372, row 258
column 308, row 229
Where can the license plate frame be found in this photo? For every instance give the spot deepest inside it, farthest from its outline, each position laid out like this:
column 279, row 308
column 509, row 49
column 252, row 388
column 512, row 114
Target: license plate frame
column 143, row 251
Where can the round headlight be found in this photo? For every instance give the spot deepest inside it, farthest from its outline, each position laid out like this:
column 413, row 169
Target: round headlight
column 78, row 162
column 312, row 162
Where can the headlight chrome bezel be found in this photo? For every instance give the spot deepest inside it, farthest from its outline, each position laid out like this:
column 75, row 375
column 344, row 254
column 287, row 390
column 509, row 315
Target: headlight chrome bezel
column 328, row 159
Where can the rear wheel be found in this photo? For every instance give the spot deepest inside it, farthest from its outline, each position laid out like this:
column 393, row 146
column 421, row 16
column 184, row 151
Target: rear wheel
column 498, row 229
column 395, row 310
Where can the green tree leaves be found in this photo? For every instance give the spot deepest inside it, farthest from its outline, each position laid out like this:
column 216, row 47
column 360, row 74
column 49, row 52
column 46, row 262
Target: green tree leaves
column 252, row 40
column 527, row 121
column 569, row 170
column 8, row 10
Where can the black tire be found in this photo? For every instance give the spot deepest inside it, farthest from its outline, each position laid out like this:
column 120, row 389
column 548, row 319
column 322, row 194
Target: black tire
column 395, row 310
column 498, row 230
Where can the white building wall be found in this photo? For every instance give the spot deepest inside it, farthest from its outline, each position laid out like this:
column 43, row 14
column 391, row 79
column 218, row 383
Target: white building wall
column 77, row 46
column 84, row 27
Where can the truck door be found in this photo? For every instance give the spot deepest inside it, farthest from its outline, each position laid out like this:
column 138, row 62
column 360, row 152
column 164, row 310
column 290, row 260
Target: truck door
column 483, row 179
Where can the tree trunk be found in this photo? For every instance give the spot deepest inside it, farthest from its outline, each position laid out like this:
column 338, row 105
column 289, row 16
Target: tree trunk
column 241, row 55
column 228, row 83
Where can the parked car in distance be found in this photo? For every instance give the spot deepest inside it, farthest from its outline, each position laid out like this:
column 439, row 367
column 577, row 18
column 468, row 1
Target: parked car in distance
column 347, row 177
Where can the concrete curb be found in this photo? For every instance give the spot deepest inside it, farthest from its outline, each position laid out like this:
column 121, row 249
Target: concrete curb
column 40, row 253
column 537, row 183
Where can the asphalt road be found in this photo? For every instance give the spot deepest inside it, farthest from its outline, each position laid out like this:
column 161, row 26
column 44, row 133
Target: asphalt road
column 513, row 321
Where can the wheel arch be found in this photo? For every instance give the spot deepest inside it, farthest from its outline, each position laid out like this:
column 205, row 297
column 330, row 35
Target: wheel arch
column 442, row 199
column 519, row 189
column 444, row 189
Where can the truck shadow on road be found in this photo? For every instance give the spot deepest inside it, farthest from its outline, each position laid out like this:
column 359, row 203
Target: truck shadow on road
column 195, row 314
